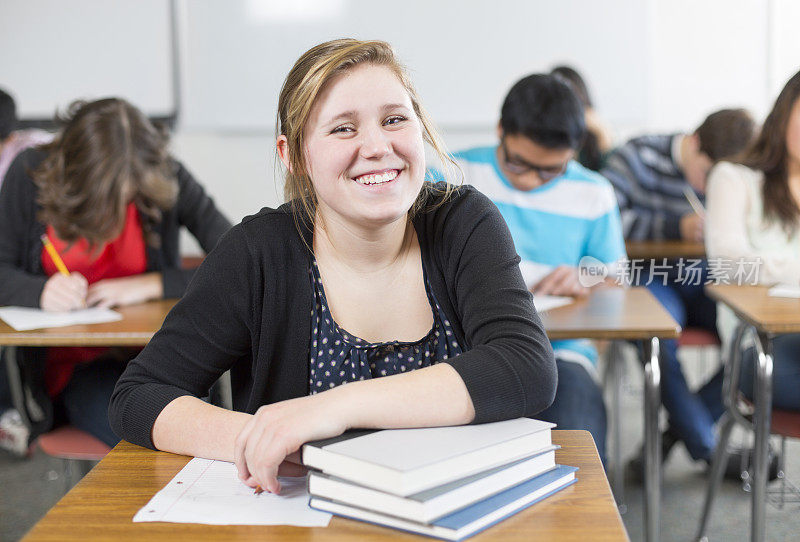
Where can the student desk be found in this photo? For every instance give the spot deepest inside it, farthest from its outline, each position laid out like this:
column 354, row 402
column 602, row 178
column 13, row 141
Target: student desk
column 647, row 250
column 103, row 504
column 138, row 325
column 629, row 314
column 770, row 316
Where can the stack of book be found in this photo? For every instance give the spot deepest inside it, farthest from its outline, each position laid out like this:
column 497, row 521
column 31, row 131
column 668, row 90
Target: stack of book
column 444, row 482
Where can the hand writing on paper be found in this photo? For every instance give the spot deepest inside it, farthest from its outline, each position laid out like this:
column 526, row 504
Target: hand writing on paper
column 125, row 291
column 64, row 293
column 269, row 444
column 563, row 280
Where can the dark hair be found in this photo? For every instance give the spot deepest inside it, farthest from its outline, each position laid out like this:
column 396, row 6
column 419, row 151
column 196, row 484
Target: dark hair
column 574, row 79
column 8, row 115
column 590, row 154
column 726, row 133
column 543, row 108
column 768, row 154
column 107, row 154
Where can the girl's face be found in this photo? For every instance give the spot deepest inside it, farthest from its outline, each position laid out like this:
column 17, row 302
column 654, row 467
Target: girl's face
column 364, row 148
column 793, row 134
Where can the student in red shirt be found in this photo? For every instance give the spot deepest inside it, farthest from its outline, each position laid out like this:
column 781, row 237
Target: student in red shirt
column 112, row 201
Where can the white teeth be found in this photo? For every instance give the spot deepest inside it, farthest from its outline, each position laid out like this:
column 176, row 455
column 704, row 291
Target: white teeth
column 377, row 178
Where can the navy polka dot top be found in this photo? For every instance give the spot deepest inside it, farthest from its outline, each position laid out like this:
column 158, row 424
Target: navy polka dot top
column 337, row 357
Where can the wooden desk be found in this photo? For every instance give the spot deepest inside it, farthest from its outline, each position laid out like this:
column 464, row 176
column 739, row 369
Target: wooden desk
column 770, row 316
column 629, row 314
column 646, row 250
column 611, row 313
column 103, row 504
column 138, row 325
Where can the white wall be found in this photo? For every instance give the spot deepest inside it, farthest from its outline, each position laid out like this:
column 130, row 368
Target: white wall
column 652, row 65
column 53, row 52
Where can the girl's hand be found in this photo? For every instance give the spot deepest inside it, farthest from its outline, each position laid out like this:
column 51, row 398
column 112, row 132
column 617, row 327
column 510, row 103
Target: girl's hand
column 125, row 291
column 64, row 293
column 269, row 444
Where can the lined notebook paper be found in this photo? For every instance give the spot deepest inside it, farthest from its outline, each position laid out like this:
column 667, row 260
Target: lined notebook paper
column 210, row 492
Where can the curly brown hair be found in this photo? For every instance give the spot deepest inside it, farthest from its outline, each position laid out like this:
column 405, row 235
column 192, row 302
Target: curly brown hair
column 106, row 155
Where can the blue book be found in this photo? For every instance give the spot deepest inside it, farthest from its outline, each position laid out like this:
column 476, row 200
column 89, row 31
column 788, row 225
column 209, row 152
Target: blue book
column 467, row 521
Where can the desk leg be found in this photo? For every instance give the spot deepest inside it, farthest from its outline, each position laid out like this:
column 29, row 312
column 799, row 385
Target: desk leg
column 762, row 419
column 614, row 373
column 9, row 354
column 652, row 440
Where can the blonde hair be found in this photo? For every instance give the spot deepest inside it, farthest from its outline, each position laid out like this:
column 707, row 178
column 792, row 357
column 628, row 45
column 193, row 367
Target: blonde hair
column 309, row 75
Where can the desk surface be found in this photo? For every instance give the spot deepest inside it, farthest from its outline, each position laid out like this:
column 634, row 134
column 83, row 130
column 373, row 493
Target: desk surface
column 645, row 250
column 611, row 313
column 104, row 502
column 607, row 313
column 138, row 325
column 772, row 315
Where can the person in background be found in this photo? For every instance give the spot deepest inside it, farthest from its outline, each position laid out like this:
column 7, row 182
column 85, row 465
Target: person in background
column 111, row 200
column 651, row 175
column 558, row 212
column 597, row 142
column 754, row 217
column 13, row 141
column 372, row 299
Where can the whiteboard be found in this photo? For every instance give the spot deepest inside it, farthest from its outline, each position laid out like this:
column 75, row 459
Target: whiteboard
column 54, row 51
column 463, row 54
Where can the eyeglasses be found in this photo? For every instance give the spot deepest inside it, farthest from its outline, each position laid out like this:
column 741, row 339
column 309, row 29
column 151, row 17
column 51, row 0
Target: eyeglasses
column 518, row 166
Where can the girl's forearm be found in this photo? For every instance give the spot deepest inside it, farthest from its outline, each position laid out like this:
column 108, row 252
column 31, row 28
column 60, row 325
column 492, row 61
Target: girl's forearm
column 193, row 427
column 434, row 396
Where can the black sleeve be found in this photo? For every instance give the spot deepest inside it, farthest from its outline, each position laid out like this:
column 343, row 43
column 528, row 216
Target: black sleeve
column 196, row 211
column 17, row 195
column 205, row 333
column 510, row 369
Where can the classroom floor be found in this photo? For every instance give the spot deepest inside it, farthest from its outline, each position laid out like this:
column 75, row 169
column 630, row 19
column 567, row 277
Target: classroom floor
column 30, row 487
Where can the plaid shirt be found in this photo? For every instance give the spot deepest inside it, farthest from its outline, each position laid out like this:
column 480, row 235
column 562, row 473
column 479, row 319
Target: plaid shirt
column 649, row 185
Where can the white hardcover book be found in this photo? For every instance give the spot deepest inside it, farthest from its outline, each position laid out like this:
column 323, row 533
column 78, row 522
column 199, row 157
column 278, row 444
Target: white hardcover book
column 407, row 461
column 470, row 520
column 432, row 504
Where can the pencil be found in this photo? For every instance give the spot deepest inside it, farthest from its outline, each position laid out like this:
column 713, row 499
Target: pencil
column 258, row 490
column 694, row 201
column 51, row 250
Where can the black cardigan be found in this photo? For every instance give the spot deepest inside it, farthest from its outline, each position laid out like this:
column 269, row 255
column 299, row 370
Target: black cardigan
column 248, row 310
column 21, row 276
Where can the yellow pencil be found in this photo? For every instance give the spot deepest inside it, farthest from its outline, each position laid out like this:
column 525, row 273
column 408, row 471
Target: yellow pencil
column 51, row 250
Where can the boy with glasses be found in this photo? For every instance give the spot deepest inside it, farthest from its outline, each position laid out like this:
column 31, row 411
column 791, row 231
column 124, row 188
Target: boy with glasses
column 558, row 212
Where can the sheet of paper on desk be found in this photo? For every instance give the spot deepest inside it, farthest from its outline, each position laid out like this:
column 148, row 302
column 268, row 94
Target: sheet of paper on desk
column 547, row 302
column 784, row 290
column 25, row 318
column 210, row 492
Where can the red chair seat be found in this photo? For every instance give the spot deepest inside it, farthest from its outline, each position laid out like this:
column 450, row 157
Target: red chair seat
column 69, row 442
column 785, row 423
column 692, row 336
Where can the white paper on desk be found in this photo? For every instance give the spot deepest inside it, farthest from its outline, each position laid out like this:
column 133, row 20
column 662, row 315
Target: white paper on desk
column 547, row 302
column 784, row 290
column 25, row 318
column 210, row 492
